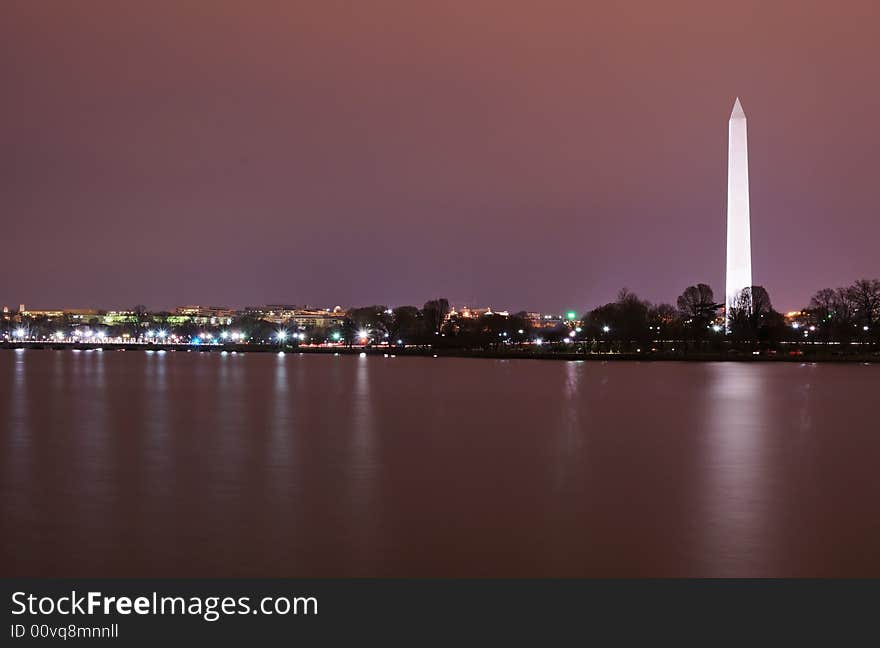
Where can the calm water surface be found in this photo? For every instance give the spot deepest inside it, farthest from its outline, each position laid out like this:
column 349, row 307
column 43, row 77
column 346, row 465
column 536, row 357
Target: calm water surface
column 191, row 464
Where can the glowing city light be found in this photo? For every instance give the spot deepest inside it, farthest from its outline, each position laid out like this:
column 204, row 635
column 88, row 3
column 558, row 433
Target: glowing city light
column 363, row 334
column 19, row 332
column 606, row 328
column 336, row 335
column 716, row 328
column 281, row 335
column 571, row 315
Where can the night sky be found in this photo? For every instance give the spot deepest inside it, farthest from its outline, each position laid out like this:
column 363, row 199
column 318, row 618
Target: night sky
column 528, row 155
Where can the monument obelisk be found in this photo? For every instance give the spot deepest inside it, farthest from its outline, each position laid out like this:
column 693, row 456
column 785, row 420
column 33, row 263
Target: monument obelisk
column 739, row 242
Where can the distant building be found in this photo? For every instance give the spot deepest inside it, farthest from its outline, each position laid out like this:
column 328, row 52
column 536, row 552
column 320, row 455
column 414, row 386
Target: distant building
column 798, row 319
column 318, row 318
column 206, row 314
column 74, row 313
column 301, row 317
column 119, row 317
column 468, row 313
column 51, row 314
column 543, row 320
column 275, row 313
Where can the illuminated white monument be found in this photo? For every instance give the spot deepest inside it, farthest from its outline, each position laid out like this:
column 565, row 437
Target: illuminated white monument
column 739, row 242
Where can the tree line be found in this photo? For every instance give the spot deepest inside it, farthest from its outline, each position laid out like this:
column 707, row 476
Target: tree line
column 848, row 315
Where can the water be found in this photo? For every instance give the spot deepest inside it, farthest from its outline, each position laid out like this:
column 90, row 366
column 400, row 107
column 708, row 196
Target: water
column 189, row 464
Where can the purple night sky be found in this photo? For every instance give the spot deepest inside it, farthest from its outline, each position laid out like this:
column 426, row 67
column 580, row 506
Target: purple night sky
column 536, row 155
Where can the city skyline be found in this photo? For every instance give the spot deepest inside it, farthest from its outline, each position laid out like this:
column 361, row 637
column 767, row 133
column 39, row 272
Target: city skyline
column 542, row 164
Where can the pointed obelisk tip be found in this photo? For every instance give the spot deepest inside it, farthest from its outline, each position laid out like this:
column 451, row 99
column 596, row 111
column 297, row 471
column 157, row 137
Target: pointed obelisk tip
column 737, row 112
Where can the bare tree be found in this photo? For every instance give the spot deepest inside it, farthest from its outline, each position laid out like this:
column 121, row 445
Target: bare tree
column 434, row 313
column 823, row 304
column 750, row 310
column 864, row 297
column 698, row 307
column 831, row 311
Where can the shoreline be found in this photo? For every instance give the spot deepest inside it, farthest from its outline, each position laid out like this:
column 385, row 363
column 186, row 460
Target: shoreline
column 808, row 356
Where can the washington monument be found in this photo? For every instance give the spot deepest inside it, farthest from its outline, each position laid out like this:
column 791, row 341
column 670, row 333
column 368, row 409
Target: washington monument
column 739, row 242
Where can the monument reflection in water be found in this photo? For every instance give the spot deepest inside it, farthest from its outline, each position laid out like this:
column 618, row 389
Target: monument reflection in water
column 189, row 464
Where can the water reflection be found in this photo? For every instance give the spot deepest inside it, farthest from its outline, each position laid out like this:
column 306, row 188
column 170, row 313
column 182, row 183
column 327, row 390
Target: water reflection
column 159, row 477
column 734, row 462
column 279, row 449
column 570, row 427
column 197, row 464
column 363, row 467
column 17, row 443
column 90, row 451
